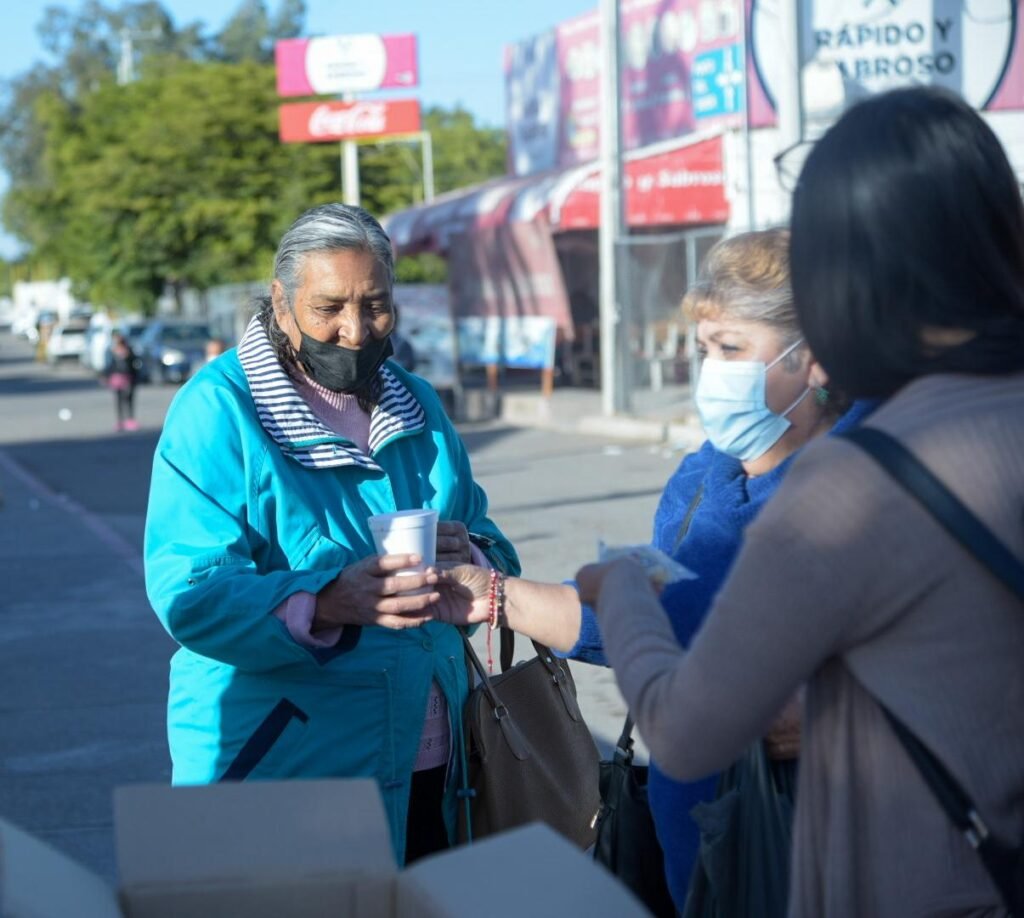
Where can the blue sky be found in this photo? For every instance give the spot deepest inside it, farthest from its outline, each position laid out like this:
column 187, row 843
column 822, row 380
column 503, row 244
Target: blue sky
column 460, row 41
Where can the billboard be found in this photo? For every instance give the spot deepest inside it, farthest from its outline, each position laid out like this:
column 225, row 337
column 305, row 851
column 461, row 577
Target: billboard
column 340, row 64
column 851, row 50
column 313, row 122
column 684, row 67
column 663, row 43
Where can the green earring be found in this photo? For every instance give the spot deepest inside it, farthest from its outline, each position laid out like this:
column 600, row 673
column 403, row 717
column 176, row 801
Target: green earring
column 821, row 395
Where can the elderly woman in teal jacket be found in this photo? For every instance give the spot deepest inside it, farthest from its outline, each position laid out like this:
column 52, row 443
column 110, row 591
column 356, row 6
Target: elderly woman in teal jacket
column 302, row 653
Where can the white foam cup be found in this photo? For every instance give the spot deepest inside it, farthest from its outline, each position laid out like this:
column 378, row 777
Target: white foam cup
column 407, row 532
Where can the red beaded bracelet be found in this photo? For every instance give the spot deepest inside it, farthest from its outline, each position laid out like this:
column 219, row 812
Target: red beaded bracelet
column 497, row 599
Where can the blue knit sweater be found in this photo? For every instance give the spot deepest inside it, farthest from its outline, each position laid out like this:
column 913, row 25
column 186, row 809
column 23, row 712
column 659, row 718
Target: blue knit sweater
column 729, row 501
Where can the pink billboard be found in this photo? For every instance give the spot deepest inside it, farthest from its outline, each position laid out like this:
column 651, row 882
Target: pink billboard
column 689, row 64
column 340, row 64
column 665, row 46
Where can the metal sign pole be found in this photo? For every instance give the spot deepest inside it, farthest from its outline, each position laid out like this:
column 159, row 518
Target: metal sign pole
column 614, row 397
column 349, row 166
column 789, row 96
column 428, row 166
column 748, row 146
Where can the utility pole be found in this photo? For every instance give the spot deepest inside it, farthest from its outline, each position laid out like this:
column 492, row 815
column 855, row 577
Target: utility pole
column 615, row 396
column 126, row 62
column 748, row 146
column 790, row 97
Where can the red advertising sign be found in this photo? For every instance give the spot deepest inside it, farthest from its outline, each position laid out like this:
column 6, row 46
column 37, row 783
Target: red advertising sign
column 681, row 186
column 305, row 122
column 345, row 63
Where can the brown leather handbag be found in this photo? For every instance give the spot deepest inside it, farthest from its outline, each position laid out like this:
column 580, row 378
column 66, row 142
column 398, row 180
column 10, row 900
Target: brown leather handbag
column 530, row 754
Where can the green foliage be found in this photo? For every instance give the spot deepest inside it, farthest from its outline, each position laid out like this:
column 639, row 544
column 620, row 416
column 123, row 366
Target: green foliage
column 426, row 268
column 392, row 173
column 251, row 32
column 179, row 177
column 463, row 153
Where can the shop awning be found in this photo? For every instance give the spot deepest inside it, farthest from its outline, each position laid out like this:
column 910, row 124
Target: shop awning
column 674, row 183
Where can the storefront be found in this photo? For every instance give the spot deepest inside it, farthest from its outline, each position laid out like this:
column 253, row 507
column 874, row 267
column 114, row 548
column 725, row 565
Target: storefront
column 699, row 84
column 527, row 247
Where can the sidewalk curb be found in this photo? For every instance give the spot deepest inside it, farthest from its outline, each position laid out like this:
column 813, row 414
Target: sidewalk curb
column 538, row 413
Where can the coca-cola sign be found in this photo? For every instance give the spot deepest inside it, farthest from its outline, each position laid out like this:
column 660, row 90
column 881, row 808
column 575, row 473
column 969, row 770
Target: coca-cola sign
column 305, row 122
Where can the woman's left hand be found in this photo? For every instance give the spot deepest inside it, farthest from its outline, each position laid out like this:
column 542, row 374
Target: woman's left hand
column 591, row 579
column 453, row 543
column 783, row 738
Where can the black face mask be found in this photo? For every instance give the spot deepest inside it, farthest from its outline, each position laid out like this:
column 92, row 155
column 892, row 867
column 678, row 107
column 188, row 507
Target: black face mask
column 343, row 369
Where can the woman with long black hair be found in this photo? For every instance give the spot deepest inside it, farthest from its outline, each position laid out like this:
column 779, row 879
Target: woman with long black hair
column 907, row 260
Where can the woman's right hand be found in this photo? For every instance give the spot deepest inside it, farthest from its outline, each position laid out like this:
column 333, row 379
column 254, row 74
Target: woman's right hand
column 369, row 592
column 465, row 594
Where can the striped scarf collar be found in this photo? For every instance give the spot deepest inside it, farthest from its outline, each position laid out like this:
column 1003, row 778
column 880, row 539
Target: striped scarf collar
column 290, row 421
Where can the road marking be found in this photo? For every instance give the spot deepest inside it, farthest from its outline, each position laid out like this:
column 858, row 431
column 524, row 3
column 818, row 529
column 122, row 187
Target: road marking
column 102, row 530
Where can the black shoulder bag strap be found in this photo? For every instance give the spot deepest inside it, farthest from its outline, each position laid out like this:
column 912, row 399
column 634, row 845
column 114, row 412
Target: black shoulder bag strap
column 1005, row 864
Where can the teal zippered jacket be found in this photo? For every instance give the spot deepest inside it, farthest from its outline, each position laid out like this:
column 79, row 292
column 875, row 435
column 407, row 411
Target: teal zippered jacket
column 254, row 499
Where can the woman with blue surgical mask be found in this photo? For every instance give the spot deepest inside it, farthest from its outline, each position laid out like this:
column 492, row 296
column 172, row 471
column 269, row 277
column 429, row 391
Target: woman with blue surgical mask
column 761, row 396
column 746, row 374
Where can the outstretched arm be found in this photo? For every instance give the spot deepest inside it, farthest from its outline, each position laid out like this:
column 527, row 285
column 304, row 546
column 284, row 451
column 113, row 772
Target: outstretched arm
column 548, row 613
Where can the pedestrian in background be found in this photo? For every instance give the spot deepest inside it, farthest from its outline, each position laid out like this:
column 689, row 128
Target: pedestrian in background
column 303, row 654
column 908, row 274
column 213, row 349
column 121, row 374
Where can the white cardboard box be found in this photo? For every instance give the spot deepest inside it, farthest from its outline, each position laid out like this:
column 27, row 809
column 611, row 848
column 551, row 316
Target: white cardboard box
column 296, row 849
column 530, row 872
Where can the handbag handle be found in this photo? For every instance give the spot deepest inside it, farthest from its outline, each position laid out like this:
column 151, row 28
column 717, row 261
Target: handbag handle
column 1002, row 862
column 547, row 659
column 624, row 744
column 502, row 715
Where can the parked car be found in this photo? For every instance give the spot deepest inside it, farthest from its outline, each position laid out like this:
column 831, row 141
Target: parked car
column 66, row 342
column 170, row 349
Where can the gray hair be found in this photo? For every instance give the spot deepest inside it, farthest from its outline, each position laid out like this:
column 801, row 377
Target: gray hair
column 328, row 228
column 746, row 277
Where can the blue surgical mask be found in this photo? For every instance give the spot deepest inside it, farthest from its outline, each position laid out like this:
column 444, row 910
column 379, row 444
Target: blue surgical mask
column 731, row 401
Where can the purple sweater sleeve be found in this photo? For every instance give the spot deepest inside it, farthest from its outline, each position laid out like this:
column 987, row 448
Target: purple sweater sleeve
column 297, row 613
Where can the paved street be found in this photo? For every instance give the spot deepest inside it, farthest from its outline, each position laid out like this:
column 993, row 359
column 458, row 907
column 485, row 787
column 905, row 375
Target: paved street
column 83, row 661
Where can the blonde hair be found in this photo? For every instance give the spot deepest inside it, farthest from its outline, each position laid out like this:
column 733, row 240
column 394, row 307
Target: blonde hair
column 746, row 277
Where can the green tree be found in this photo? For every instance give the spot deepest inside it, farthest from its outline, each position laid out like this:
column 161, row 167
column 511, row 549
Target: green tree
column 391, row 174
column 178, row 178
column 250, row 33
column 85, row 45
